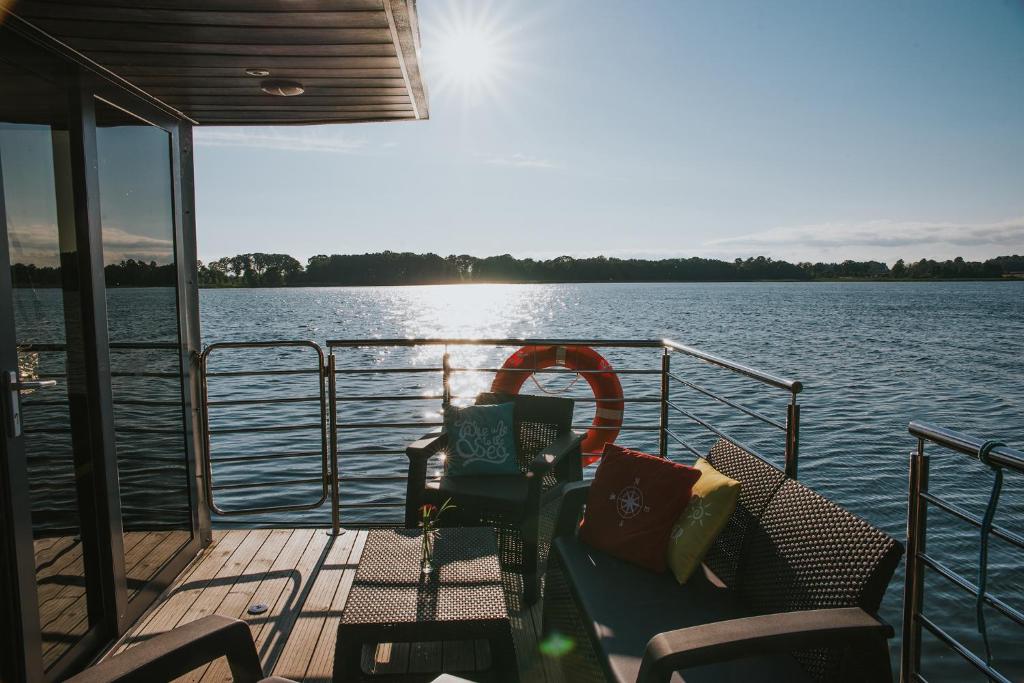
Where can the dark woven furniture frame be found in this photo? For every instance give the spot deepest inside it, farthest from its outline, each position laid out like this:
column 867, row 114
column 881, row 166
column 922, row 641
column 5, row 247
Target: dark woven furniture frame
column 548, row 453
column 392, row 601
column 812, row 575
column 182, row 650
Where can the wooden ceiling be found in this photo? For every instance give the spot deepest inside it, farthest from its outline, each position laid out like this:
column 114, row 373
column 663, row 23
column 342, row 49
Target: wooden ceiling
column 358, row 60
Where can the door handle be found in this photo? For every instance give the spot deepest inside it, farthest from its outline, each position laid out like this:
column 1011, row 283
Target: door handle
column 31, row 384
column 12, row 398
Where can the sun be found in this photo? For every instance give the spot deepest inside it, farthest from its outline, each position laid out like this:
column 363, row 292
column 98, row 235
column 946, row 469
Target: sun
column 468, row 50
column 468, row 56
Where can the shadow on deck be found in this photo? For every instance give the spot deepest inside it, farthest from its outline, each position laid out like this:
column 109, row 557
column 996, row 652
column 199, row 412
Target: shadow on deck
column 303, row 576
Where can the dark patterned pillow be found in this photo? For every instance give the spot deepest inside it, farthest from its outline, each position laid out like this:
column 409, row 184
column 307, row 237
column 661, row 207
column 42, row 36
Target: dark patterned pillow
column 481, row 440
column 634, row 501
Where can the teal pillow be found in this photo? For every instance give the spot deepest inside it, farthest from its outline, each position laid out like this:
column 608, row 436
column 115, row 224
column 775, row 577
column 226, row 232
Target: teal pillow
column 481, row 440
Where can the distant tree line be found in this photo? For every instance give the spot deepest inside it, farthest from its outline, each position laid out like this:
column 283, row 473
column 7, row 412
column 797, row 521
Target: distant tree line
column 394, row 268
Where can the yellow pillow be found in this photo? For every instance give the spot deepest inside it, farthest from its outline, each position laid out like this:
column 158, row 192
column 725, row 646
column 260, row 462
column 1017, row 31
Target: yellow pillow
column 711, row 504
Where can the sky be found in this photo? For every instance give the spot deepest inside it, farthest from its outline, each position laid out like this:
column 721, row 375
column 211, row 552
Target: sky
column 796, row 130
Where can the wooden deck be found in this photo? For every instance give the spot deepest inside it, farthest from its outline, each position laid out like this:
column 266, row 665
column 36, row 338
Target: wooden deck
column 304, row 576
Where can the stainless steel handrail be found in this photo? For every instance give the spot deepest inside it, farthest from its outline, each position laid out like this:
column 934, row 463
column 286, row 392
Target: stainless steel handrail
column 1004, row 456
column 668, row 377
column 507, row 341
column 791, row 385
column 329, row 400
column 920, row 499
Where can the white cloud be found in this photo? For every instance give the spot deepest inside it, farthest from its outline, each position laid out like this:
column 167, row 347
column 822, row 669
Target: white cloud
column 294, row 140
column 522, row 161
column 119, row 245
column 879, row 239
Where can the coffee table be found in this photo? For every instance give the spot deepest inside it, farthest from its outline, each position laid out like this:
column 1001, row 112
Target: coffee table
column 391, row 601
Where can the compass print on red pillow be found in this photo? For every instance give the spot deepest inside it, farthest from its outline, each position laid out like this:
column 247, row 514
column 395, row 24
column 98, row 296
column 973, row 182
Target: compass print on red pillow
column 629, row 502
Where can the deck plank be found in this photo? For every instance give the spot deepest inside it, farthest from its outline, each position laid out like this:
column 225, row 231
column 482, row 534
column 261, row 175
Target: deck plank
column 233, row 571
column 459, row 656
column 271, row 637
column 425, row 657
column 298, row 649
column 243, row 593
column 321, row 661
column 391, row 658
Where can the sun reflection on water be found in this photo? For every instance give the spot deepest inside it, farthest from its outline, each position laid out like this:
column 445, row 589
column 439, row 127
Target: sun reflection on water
column 479, row 311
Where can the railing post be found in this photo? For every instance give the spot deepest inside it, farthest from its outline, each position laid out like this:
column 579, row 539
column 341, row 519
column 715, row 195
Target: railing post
column 204, row 425
column 446, row 375
column 792, row 437
column 662, row 434
column 917, row 513
column 333, row 403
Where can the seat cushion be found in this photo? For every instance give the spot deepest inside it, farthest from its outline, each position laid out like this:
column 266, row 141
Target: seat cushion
column 499, row 493
column 627, row 605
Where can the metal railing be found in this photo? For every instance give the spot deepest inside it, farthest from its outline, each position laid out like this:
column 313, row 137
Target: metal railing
column 326, row 478
column 791, row 427
column 918, row 559
column 340, row 409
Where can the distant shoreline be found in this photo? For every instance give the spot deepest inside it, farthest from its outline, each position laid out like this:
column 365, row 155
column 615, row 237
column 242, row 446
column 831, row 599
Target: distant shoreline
column 396, row 269
column 879, row 280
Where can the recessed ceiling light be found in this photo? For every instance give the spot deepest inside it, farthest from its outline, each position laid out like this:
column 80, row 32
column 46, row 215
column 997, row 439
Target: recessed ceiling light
column 257, row 72
column 282, row 88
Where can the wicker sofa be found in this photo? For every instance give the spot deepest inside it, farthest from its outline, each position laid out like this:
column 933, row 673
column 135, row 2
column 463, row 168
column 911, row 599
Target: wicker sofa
column 788, row 592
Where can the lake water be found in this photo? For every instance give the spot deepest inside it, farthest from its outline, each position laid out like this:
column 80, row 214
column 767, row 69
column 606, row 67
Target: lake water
column 872, row 356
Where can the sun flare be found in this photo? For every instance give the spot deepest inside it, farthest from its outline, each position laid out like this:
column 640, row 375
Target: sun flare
column 471, row 53
column 468, row 56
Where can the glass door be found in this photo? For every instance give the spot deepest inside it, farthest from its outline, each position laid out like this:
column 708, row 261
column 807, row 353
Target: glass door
column 151, row 434
column 54, row 485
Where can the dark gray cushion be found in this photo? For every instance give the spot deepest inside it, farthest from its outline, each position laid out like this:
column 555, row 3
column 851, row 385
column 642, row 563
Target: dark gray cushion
column 499, row 493
column 627, row 605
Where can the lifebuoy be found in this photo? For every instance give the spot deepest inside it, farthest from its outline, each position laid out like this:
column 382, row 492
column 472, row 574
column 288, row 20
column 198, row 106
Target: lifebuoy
column 603, row 381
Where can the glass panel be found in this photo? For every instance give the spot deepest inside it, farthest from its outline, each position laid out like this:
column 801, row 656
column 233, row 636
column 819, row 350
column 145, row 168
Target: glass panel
column 137, row 212
column 40, row 230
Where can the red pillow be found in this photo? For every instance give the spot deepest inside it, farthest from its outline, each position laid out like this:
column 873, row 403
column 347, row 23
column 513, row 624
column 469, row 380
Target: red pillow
column 633, row 502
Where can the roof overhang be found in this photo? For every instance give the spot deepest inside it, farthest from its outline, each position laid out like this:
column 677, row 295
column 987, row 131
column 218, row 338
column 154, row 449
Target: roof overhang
column 357, row 60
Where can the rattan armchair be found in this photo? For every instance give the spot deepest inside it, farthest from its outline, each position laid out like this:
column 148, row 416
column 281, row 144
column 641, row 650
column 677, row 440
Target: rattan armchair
column 549, row 455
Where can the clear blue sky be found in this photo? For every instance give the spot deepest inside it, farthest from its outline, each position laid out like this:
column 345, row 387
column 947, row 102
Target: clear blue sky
column 810, row 130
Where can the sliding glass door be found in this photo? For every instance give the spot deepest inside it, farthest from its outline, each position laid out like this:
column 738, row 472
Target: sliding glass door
column 147, row 378
column 97, row 496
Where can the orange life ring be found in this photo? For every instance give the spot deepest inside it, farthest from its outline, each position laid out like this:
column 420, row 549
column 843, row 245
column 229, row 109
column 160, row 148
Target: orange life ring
column 603, row 381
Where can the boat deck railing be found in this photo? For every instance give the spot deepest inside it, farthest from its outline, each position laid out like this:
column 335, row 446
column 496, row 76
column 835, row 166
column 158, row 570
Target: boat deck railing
column 919, row 559
column 344, row 407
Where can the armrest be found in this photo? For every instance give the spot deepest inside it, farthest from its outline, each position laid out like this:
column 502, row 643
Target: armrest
column 560, row 448
column 181, row 650
column 572, row 500
column 426, row 446
column 765, row 634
